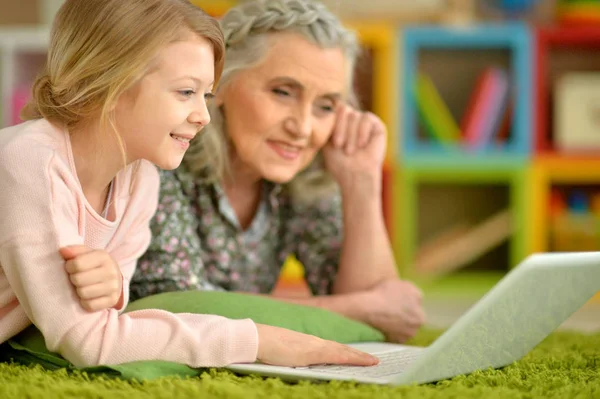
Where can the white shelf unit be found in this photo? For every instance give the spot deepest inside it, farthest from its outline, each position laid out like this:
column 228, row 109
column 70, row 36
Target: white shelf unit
column 22, row 56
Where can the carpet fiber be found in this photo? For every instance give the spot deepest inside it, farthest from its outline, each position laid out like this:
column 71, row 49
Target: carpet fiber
column 565, row 365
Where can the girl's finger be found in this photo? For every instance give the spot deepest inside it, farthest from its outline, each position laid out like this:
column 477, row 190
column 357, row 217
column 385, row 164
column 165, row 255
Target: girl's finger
column 355, row 357
column 89, row 277
column 85, row 262
column 97, row 290
column 92, row 305
column 73, row 251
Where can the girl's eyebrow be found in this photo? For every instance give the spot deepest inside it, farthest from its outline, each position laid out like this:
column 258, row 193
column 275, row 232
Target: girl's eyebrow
column 194, row 78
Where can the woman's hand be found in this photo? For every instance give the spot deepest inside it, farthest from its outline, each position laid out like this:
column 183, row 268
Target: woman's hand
column 356, row 147
column 394, row 308
column 96, row 276
column 281, row 347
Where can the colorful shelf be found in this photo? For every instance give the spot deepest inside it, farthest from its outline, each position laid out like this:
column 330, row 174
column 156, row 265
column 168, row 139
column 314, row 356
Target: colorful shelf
column 547, row 40
column 514, row 176
column 513, row 37
column 547, row 171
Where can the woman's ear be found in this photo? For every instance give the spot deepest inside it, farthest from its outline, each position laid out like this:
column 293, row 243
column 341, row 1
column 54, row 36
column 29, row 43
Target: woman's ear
column 219, row 99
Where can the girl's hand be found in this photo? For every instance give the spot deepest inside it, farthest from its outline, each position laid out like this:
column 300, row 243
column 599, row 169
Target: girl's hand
column 95, row 275
column 357, row 145
column 281, row 347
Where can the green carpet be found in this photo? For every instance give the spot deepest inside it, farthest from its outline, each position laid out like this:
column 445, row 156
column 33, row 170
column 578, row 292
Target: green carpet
column 565, row 365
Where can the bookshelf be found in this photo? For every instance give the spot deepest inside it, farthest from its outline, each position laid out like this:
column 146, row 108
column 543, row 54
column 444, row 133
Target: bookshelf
column 552, row 193
column 454, row 56
column 443, row 186
column 570, row 176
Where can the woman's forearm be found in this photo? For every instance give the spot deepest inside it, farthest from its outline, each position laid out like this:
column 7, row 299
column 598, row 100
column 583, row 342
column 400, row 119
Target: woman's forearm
column 366, row 257
column 350, row 305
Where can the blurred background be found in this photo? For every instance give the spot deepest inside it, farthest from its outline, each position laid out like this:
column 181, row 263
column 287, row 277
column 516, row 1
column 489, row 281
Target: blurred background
column 493, row 111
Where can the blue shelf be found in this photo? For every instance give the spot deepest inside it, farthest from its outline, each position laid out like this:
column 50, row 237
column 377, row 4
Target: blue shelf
column 514, row 37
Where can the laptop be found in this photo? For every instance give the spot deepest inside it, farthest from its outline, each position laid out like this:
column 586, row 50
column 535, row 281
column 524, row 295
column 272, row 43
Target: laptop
column 522, row 309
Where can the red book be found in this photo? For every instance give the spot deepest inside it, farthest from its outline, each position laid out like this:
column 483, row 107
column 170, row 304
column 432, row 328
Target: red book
column 473, row 121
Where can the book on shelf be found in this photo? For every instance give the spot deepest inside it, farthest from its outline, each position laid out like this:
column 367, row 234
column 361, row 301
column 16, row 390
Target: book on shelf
column 485, row 110
column 487, row 120
column 435, row 115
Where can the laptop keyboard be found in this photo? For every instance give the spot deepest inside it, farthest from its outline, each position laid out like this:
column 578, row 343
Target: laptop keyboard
column 393, row 362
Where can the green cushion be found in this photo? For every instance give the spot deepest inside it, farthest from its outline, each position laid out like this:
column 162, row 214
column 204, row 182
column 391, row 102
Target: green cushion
column 28, row 347
column 263, row 310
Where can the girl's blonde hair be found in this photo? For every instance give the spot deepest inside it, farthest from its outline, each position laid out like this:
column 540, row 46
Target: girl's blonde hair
column 100, row 48
column 246, row 29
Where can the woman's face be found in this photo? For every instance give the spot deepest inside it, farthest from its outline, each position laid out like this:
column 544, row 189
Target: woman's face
column 280, row 113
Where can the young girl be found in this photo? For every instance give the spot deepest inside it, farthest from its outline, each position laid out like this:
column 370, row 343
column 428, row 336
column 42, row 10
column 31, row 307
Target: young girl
column 125, row 87
column 253, row 189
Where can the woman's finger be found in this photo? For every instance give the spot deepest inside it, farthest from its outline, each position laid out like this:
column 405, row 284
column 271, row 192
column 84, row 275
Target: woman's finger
column 366, row 128
column 339, row 131
column 351, row 132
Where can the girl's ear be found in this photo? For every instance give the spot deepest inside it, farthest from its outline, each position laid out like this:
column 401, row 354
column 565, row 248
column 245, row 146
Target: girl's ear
column 113, row 106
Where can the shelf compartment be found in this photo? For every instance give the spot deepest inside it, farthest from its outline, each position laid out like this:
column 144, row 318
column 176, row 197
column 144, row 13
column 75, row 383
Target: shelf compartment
column 559, row 50
column 507, row 185
column 504, row 45
column 551, row 171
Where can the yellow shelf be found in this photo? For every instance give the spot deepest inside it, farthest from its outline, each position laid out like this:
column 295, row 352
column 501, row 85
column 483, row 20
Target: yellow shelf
column 382, row 40
column 545, row 173
column 216, row 8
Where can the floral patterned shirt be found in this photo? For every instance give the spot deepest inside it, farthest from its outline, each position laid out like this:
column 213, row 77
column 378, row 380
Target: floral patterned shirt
column 197, row 242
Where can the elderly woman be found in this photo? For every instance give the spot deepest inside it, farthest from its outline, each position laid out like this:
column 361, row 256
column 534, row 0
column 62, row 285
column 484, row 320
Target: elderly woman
column 286, row 167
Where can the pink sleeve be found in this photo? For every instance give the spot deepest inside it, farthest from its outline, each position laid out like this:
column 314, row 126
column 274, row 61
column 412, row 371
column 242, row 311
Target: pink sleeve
column 39, row 212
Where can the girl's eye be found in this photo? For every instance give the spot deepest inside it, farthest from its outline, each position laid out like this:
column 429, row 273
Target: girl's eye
column 208, row 96
column 327, row 108
column 187, row 93
column 281, row 92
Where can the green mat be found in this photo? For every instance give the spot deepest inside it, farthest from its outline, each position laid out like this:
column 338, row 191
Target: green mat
column 565, row 365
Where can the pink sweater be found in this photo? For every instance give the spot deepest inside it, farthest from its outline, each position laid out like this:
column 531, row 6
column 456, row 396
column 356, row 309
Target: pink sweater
column 42, row 208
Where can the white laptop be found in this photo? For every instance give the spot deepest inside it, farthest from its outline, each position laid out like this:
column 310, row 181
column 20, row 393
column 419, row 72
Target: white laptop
column 529, row 303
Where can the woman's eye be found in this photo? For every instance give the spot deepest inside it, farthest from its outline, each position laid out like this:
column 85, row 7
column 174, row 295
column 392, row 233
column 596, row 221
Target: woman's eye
column 326, row 107
column 281, row 92
column 208, row 96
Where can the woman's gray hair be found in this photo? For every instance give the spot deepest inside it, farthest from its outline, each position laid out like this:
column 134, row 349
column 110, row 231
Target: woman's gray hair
column 246, row 29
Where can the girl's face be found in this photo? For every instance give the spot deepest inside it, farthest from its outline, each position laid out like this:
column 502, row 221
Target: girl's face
column 280, row 113
column 166, row 108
